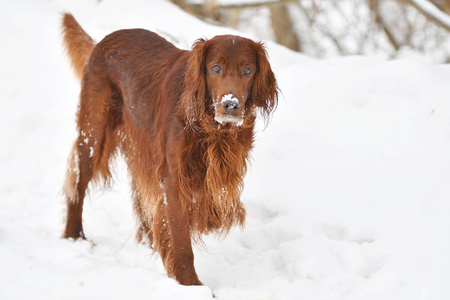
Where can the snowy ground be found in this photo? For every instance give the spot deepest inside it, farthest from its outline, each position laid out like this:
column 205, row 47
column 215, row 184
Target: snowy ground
column 348, row 196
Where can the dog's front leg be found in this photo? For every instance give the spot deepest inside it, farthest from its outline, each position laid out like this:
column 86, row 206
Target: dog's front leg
column 180, row 260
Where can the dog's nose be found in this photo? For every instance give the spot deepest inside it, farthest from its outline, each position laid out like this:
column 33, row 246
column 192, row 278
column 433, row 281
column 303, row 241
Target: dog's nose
column 231, row 105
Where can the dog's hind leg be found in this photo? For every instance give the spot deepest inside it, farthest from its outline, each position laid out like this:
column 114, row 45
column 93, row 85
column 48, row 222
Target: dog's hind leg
column 79, row 173
column 96, row 144
column 74, row 227
column 145, row 232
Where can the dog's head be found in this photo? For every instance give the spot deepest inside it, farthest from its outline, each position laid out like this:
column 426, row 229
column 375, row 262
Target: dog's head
column 228, row 77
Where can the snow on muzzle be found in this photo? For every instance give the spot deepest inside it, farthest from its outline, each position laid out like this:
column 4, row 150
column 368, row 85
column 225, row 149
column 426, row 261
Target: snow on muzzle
column 227, row 110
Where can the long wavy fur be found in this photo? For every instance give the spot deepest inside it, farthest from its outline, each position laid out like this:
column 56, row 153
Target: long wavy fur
column 143, row 97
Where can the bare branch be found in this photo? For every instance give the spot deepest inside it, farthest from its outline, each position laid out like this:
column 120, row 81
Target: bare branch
column 374, row 6
column 432, row 13
column 324, row 30
column 246, row 5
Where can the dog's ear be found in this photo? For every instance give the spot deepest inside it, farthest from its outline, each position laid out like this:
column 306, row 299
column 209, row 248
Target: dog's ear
column 194, row 92
column 265, row 89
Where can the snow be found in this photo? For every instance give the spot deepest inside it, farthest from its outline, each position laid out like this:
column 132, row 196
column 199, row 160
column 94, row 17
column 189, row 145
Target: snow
column 223, row 119
column 347, row 196
column 229, row 97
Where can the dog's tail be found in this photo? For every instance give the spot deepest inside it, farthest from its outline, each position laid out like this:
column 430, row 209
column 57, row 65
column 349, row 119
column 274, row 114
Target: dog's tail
column 79, row 44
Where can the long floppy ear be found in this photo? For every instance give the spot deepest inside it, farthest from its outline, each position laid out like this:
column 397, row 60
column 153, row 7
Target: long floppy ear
column 194, row 93
column 265, row 89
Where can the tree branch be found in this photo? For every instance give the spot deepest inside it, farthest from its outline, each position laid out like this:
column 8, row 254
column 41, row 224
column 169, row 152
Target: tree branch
column 261, row 3
column 432, row 13
column 379, row 19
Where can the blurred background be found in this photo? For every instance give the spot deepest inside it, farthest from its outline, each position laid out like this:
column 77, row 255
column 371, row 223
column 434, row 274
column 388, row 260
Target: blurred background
column 326, row 28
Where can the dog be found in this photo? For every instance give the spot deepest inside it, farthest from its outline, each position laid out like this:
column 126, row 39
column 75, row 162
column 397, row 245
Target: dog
column 184, row 122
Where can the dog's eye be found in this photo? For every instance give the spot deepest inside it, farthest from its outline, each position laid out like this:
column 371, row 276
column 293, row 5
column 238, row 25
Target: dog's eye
column 216, row 70
column 246, row 71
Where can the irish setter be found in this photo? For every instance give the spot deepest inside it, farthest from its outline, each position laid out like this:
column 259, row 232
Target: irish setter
column 183, row 120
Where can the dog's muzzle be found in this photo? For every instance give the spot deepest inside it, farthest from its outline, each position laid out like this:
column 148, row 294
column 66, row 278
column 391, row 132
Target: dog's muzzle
column 230, row 106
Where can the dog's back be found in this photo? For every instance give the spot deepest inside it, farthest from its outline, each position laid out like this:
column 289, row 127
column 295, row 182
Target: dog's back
column 133, row 50
column 134, row 62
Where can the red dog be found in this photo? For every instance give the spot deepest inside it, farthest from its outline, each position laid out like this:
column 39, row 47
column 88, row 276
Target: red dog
column 184, row 122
